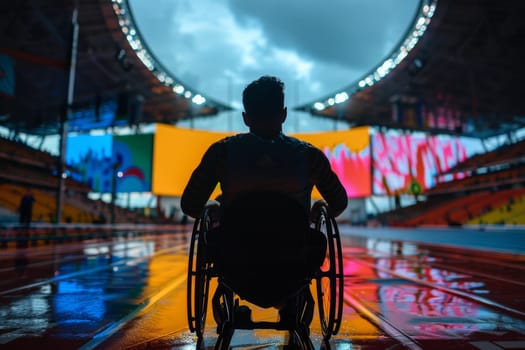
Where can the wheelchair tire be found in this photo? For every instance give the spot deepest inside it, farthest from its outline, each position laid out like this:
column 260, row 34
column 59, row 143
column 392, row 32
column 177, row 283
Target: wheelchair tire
column 198, row 277
column 224, row 339
column 330, row 278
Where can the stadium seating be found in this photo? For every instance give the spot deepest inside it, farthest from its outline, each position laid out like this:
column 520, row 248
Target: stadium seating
column 496, row 196
column 506, row 154
column 44, row 206
column 510, row 211
column 509, row 176
column 24, row 153
column 24, row 167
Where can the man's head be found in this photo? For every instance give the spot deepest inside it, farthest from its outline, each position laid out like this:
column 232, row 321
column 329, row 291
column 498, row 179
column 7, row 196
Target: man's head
column 263, row 101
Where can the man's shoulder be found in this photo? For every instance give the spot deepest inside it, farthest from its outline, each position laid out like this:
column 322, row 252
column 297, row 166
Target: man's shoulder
column 301, row 143
column 233, row 138
column 225, row 140
column 238, row 139
column 220, row 145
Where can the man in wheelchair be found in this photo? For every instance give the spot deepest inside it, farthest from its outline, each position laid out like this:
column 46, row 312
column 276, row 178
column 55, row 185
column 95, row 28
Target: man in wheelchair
column 263, row 231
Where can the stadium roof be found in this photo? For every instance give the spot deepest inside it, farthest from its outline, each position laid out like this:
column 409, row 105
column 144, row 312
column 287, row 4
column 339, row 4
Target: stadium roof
column 459, row 70
column 115, row 73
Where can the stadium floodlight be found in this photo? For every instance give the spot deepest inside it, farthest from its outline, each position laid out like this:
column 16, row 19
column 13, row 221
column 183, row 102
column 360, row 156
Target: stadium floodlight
column 341, row 97
column 132, row 34
column 420, row 22
column 418, row 28
column 178, row 88
column 319, row 106
column 198, row 99
column 161, row 77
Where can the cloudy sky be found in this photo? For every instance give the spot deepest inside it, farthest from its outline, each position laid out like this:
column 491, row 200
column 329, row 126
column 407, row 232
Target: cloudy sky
column 316, row 47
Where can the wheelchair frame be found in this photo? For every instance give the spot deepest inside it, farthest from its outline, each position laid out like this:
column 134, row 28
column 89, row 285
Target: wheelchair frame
column 329, row 286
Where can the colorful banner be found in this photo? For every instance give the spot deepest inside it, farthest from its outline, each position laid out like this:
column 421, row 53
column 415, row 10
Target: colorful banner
column 97, row 161
column 349, row 155
column 409, row 164
column 89, row 157
column 162, row 163
column 177, row 152
column 132, row 156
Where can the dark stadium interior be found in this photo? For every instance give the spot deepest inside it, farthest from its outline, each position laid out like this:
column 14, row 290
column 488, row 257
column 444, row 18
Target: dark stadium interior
column 441, row 271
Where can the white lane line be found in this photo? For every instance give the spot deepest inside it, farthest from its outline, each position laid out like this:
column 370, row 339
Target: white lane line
column 395, row 333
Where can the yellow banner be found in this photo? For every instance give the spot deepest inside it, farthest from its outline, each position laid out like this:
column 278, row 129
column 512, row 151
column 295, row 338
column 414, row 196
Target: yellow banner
column 177, row 152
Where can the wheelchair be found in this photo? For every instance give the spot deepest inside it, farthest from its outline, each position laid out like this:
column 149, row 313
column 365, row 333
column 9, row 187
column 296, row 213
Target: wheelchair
column 228, row 312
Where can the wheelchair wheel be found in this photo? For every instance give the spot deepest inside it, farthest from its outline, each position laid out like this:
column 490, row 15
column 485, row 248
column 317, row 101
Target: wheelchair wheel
column 223, row 311
column 330, row 279
column 198, row 276
column 301, row 340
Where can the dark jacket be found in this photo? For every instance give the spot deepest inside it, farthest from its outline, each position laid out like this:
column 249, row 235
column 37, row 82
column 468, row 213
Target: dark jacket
column 246, row 162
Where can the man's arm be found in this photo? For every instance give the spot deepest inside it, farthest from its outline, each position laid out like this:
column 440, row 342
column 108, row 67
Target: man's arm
column 202, row 182
column 327, row 182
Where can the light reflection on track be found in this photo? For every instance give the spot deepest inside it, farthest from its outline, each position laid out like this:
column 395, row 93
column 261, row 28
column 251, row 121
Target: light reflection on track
column 69, row 292
column 129, row 293
column 382, row 310
column 458, row 290
column 435, row 306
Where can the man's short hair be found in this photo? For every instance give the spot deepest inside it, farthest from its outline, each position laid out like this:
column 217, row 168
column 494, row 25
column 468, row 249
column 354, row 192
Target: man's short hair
column 264, row 97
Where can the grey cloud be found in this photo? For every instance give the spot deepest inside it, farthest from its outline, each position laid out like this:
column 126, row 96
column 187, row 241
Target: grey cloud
column 345, row 32
column 343, row 39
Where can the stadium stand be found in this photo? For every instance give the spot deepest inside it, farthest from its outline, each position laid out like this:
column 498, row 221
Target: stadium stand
column 25, row 167
column 514, row 174
column 510, row 213
column 489, row 105
column 505, row 155
column 492, row 192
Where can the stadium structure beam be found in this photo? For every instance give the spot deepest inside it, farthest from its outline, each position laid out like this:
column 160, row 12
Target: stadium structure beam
column 64, row 117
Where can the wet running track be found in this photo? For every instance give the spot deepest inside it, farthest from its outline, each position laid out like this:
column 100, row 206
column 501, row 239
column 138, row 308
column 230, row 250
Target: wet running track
column 125, row 288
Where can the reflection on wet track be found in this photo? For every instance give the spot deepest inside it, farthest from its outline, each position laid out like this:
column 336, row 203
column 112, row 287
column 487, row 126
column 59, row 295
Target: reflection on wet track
column 129, row 292
column 65, row 294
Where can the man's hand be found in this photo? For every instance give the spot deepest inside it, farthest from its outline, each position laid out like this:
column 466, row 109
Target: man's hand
column 315, row 211
column 215, row 212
